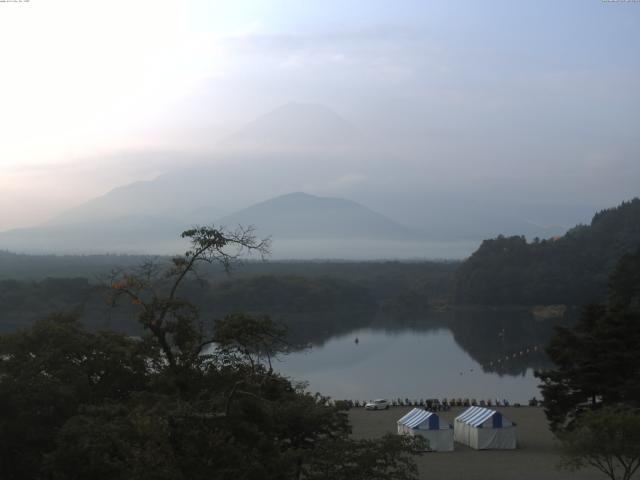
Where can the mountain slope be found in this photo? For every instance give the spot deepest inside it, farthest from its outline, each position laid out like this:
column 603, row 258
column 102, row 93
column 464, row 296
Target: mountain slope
column 300, row 215
column 136, row 234
column 288, row 147
column 184, row 195
column 572, row 269
column 295, row 126
column 309, row 147
column 294, row 217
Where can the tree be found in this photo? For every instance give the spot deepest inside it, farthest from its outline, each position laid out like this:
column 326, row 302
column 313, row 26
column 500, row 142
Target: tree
column 252, row 338
column 607, row 439
column 385, row 459
column 171, row 320
column 186, row 402
column 48, row 372
column 571, row 269
column 598, row 360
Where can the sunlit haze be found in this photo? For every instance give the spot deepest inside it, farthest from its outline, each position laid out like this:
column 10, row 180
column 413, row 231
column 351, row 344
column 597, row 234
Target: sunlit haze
column 449, row 105
column 317, row 239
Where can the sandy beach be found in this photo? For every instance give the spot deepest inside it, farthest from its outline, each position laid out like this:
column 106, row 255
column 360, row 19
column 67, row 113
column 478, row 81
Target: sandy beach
column 535, row 458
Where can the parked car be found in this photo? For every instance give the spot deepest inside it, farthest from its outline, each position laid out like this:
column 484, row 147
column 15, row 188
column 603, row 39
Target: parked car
column 379, row 404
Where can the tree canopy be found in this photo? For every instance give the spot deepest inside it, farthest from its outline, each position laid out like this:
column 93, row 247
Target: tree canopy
column 606, row 439
column 598, row 360
column 188, row 400
column 571, row 269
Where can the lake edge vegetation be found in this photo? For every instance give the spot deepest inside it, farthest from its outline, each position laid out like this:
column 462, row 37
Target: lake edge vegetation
column 592, row 396
column 187, row 400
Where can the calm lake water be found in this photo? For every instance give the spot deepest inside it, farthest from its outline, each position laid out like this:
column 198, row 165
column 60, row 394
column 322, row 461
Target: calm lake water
column 480, row 355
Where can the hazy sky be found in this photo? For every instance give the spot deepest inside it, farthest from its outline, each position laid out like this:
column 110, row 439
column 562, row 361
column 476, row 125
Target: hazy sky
column 484, row 90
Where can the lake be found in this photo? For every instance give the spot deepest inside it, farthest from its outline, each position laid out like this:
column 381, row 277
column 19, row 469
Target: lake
column 482, row 355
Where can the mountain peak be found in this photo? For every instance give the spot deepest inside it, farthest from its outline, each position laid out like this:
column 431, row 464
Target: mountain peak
column 297, row 126
column 300, row 214
column 303, row 196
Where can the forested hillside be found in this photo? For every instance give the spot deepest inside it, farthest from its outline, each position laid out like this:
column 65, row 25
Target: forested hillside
column 291, row 288
column 572, row 269
column 16, row 266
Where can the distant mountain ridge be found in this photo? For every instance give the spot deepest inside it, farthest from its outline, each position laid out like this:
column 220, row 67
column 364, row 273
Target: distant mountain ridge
column 298, row 146
column 131, row 234
column 295, row 125
column 165, row 197
column 299, row 214
column 290, row 216
column 570, row 269
column 293, row 145
column 277, row 152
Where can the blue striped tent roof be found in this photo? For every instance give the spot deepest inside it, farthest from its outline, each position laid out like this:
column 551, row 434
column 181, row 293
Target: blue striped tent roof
column 417, row 417
column 476, row 416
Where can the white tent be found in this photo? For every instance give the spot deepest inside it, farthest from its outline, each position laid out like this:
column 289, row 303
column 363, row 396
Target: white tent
column 428, row 425
column 482, row 428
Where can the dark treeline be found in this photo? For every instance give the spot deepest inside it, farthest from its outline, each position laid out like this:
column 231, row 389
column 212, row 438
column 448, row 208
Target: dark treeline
column 385, row 280
column 287, row 294
column 592, row 391
column 287, row 288
column 572, row 269
column 597, row 360
column 37, row 267
column 24, row 302
column 189, row 399
column 312, row 310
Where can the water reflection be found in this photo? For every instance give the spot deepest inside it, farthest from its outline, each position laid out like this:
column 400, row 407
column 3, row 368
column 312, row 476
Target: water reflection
column 481, row 354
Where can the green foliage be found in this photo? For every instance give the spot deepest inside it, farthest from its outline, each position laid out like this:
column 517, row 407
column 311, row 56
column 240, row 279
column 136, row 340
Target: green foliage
column 289, row 294
column 386, row 459
column 598, row 360
column 253, row 339
column 236, row 419
column 48, row 372
column 572, row 269
column 22, row 302
column 625, row 284
column 607, row 439
column 154, row 292
column 280, row 289
column 38, row 267
column 105, row 442
column 182, row 403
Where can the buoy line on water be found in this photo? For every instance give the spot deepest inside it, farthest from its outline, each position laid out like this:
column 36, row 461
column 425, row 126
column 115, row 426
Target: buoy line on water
column 516, row 354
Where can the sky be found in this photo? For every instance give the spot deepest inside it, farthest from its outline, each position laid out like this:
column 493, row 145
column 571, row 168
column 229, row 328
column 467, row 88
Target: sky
column 94, row 94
